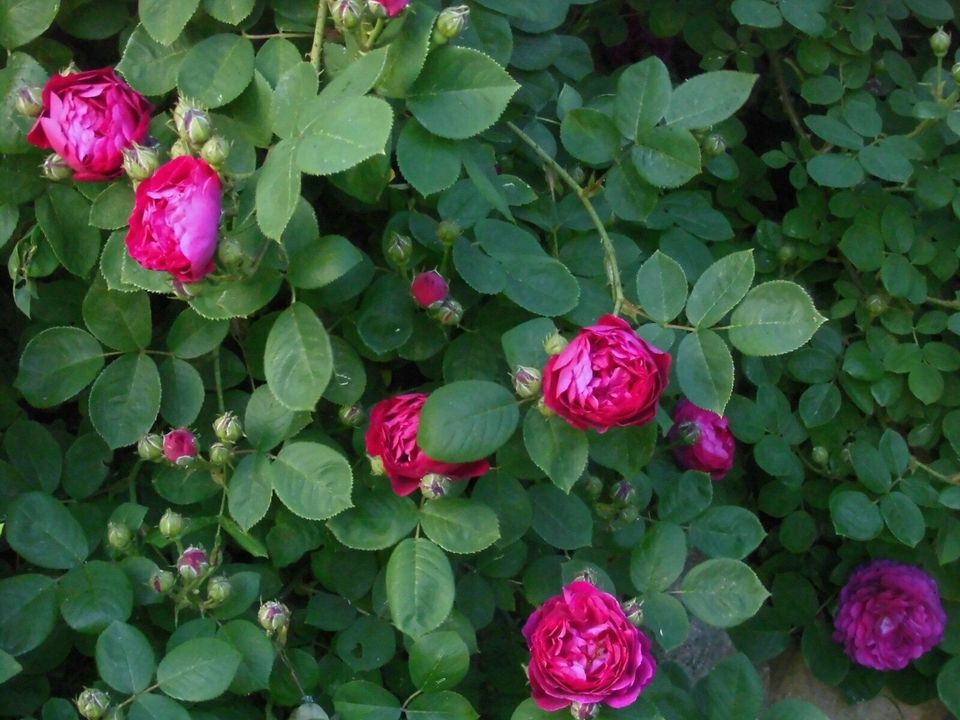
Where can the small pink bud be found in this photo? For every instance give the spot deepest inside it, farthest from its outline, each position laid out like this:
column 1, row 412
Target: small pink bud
column 162, row 581
column 29, row 101
column 192, row 563
column 351, row 415
column 180, row 446
column 55, row 168
column 633, row 611
column 623, row 492
column 274, row 617
column 526, row 381
column 447, row 312
column 434, row 486
column 429, row 288
column 585, row 711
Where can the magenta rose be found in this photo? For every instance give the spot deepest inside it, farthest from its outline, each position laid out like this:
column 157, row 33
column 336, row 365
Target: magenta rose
column 392, row 437
column 584, row 650
column 89, row 119
column 392, row 7
column 428, row 288
column 704, row 440
column 179, row 443
column 175, row 223
column 606, row 377
column 889, row 615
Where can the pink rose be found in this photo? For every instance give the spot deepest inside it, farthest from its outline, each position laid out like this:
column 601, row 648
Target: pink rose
column 584, row 650
column 606, row 377
column 428, row 288
column 392, row 436
column 392, row 7
column 89, row 119
column 175, row 222
column 710, row 447
column 889, row 615
column 179, row 443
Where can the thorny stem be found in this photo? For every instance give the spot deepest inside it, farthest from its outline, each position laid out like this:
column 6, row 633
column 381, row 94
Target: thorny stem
column 610, row 255
column 374, row 34
column 282, row 652
column 316, row 50
column 915, row 464
column 776, row 64
column 268, row 36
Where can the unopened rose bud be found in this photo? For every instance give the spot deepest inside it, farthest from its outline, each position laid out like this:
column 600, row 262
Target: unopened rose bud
column 118, row 535
column 377, row 9
column 592, row 487
column 555, row 344
column 179, row 149
column 434, row 486
column 309, row 711
column 821, row 456
column 376, row 466
column 584, row 711
column 450, row 23
column 92, row 703
column 150, row 448
column 228, row 428
column 183, row 291
column 688, row 433
column 274, row 617
column 399, row 249
column 447, row 312
column 714, row 145
column 216, row 150
column 605, row 511
column 218, row 590
column 171, row 524
column 448, row 231
column 220, row 454
column 526, row 381
column 877, row 304
column 231, row 255
column 55, row 168
column 955, row 72
column 351, row 415
column 429, row 288
column 162, row 581
column 629, row 514
column 193, row 563
column 191, row 121
column 140, row 161
column 787, row 253
column 623, row 492
column 347, row 13
column 633, row 611
column 588, row 575
column 29, row 101
column 180, row 446
column 940, row 43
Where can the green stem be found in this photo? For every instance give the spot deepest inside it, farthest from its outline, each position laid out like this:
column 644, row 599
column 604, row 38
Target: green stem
column 915, row 464
column 374, row 34
column 952, row 304
column 132, row 480
column 610, row 255
column 776, row 64
column 316, row 50
column 218, row 380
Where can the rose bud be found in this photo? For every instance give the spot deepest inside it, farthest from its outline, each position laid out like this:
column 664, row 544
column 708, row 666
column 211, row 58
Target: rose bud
column 889, row 614
column 180, row 149
column 141, row 161
column 555, row 344
column 584, row 711
column 192, row 122
column 228, row 428
column 628, row 515
column 450, row 23
column 180, row 446
column 392, row 8
column 448, row 231
column 175, row 224
column 392, row 437
column 92, row 703
column 88, row 119
column 216, row 150
column 193, row 563
column 703, row 440
column 940, row 43
column 55, row 168
column 118, row 535
column 592, row 487
column 274, row 617
column 603, row 657
column 309, row 711
column 447, row 312
column 171, row 524
column 587, row 575
column 623, row 492
column 347, row 13
column 218, row 590
column 543, row 409
column 351, row 415
column 377, row 468
column 162, row 581
column 376, row 8
column 428, row 288
column 633, row 611
column 399, row 249
column 714, row 145
column 220, row 454
column 527, row 381
column 606, row 377
column 434, row 486
column 29, row 101
column 150, row 448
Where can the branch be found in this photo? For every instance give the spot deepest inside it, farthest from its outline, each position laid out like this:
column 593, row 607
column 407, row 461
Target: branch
column 776, row 64
column 316, row 50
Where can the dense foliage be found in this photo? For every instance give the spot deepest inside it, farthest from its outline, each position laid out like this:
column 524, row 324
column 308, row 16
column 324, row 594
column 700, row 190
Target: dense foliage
column 505, row 298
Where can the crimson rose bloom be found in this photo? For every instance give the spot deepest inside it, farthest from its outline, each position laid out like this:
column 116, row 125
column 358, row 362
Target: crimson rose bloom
column 392, row 437
column 176, row 219
column 889, row 615
column 712, row 450
column 89, row 118
column 583, row 649
column 428, row 288
column 179, row 443
column 606, row 377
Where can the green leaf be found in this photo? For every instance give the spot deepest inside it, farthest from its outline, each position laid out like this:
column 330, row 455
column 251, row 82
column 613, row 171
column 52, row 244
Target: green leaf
column 338, row 137
column 661, row 287
column 317, row 262
column 854, row 515
column 295, row 89
column 428, row 162
column 439, row 661
column 666, row 157
column 250, row 490
column 774, row 318
column 758, row 13
column 708, row 99
column 626, row 450
column 257, row 651
column 148, row 66
column 312, row 480
column 111, row 210
column 719, row 288
column 459, row 525
column 643, row 96
column 819, row 404
column 948, row 685
column 157, row 707
column 35, row 453
column 886, row 163
column 165, row 19
column 667, row 620
column 590, row 136
column 28, row 612
column 349, row 376
column 467, row 420
column 278, row 189
column 119, row 320
column 125, row 400
column 562, row 520
column 20, row 70
column 835, row 171
column 362, row 700
column 460, row 93
column 444, row 705
column 94, row 595
column 727, row 531
column 659, row 558
column 420, row 588
column 9, row 667
column 705, row 370
column 229, row 11
column 23, row 20
column 298, row 361
column 198, row 670
column 182, row 392
column 529, row 710
column 63, row 215
column 216, row 70
column 630, row 197
column 733, row 690
column 722, row 592
column 57, row 364
column 793, row 710
column 903, row 518
column 378, row 520
column 191, row 335
column 125, row 659
column 686, row 497
column 43, row 532
column 557, row 448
